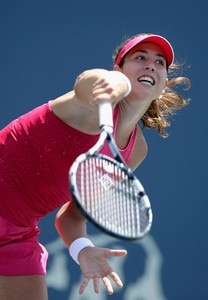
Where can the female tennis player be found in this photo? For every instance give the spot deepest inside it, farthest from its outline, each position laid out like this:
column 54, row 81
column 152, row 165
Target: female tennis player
column 38, row 149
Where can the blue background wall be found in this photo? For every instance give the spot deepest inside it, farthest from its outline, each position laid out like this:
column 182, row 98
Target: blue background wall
column 44, row 45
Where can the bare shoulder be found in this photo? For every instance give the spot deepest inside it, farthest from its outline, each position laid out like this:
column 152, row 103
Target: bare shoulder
column 140, row 150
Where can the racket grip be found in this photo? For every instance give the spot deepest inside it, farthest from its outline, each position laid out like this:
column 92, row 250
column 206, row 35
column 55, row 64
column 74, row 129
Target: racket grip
column 105, row 114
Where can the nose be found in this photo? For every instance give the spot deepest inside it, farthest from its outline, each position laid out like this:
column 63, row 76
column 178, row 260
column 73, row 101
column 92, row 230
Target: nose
column 150, row 67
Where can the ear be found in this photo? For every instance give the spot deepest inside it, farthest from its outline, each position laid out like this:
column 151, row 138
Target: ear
column 163, row 90
column 166, row 83
column 116, row 68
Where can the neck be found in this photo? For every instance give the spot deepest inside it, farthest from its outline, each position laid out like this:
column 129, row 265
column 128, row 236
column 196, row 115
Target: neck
column 132, row 111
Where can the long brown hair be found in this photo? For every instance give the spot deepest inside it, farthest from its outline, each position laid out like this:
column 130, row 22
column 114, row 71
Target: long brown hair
column 168, row 103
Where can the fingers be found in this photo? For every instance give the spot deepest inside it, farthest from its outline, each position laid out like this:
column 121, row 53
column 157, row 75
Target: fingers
column 116, row 279
column 96, row 285
column 100, row 87
column 103, row 94
column 98, row 268
column 111, row 87
column 84, row 284
column 108, row 285
column 115, row 252
column 106, row 281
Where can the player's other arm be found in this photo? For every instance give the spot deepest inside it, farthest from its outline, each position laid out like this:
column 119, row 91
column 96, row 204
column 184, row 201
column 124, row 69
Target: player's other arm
column 70, row 224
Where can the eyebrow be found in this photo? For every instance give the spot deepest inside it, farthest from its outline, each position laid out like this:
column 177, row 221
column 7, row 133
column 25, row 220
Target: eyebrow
column 146, row 52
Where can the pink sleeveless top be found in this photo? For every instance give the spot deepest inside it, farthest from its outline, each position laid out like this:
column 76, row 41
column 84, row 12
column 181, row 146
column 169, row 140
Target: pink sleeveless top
column 36, row 153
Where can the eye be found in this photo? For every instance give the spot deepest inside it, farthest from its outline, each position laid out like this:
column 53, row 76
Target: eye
column 161, row 62
column 140, row 57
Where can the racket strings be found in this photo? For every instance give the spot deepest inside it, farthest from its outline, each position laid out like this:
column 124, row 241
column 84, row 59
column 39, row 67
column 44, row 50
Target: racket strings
column 110, row 198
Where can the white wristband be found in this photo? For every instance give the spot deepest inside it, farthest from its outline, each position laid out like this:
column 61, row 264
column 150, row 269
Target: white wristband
column 127, row 81
column 77, row 246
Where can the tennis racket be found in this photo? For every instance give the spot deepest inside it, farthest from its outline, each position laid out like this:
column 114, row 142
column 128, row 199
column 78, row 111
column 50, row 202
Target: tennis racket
column 105, row 189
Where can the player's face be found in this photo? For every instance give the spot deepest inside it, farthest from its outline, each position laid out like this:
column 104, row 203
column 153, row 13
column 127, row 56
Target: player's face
column 145, row 66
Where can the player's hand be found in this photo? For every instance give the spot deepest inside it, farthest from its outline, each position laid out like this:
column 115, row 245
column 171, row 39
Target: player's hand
column 94, row 266
column 112, row 86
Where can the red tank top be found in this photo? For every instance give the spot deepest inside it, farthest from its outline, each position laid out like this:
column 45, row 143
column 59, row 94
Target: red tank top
column 36, row 153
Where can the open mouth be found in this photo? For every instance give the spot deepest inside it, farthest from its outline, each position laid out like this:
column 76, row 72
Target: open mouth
column 147, row 79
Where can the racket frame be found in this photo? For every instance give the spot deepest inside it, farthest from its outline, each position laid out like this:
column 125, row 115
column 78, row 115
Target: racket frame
column 106, row 130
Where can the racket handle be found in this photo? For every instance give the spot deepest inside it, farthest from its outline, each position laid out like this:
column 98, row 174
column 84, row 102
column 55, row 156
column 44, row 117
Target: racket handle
column 105, row 114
